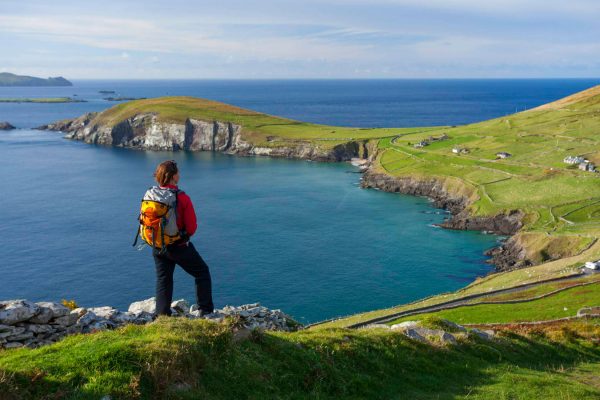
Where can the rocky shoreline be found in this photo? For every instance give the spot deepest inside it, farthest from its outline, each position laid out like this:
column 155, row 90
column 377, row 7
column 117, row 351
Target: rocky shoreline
column 506, row 257
column 146, row 132
column 27, row 324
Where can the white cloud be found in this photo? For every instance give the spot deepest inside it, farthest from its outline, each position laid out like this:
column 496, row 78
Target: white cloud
column 313, row 38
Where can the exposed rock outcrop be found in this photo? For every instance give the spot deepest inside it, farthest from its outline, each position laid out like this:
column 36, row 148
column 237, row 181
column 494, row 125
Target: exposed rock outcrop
column 5, row 126
column 27, row 324
column 146, row 132
column 510, row 255
column 506, row 257
column 417, row 331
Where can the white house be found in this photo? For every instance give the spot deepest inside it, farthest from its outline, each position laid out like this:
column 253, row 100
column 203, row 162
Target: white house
column 592, row 264
column 503, row 154
column 587, row 166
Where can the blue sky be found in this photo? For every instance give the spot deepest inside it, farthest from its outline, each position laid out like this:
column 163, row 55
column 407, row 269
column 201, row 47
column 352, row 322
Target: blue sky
column 301, row 39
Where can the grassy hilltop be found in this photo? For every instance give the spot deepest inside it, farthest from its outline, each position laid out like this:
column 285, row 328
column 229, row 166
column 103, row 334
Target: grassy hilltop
column 558, row 199
column 259, row 129
column 534, row 355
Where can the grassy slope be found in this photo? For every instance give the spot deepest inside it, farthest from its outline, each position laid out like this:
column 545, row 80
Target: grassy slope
column 197, row 359
column 558, row 199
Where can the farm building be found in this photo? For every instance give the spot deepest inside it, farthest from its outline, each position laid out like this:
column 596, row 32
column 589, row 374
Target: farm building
column 592, row 264
column 421, row 144
column 503, row 154
column 587, row 166
column 460, row 150
column 573, row 160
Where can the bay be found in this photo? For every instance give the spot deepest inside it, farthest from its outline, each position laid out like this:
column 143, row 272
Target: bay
column 294, row 235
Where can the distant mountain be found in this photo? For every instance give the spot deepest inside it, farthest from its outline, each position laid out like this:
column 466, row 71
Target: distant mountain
column 8, row 79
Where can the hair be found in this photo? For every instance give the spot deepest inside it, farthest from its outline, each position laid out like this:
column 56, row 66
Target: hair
column 165, row 172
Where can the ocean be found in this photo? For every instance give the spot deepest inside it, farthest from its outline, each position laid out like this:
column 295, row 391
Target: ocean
column 295, row 235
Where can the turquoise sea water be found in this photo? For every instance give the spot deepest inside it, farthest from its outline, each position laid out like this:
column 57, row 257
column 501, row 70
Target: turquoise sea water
column 295, row 235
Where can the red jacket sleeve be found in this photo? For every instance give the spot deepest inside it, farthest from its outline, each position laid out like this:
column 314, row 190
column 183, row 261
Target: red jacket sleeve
column 186, row 216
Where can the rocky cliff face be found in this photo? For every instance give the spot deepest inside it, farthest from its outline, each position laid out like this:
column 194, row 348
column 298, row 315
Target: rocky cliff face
column 146, row 132
column 508, row 256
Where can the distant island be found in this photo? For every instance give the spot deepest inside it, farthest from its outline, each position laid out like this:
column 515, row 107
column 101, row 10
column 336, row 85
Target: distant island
column 42, row 100
column 123, row 98
column 8, row 79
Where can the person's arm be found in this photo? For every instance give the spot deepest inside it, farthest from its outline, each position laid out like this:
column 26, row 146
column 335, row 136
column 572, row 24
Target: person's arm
column 190, row 223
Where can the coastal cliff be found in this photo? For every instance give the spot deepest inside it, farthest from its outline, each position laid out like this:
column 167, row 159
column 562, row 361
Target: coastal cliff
column 145, row 131
column 510, row 255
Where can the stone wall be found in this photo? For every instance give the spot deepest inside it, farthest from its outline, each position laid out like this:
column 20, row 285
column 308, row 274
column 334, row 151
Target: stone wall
column 24, row 323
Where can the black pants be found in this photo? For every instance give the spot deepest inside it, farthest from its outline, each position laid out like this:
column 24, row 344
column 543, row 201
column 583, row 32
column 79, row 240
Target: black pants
column 187, row 258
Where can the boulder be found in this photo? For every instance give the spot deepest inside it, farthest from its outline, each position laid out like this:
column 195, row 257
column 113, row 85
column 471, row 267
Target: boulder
column 377, row 326
column 454, row 327
column 81, row 311
column 414, row 334
column 87, row 318
column 14, row 311
column 13, row 345
column 20, row 336
column 405, row 325
column 486, row 335
column 121, row 318
column 101, row 325
column 7, row 331
column 429, row 335
column 104, row 312
column 180, row 306
column 43, row 316
column 65, row 321
column 58, row 310
column 250, row 312
column 40, row 328
column 142, row 318
column 148, row 306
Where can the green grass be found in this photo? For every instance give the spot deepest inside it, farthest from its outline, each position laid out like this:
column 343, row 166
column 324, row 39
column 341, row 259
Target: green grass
column 559, row 305
column 40, row 100
column 182, row 359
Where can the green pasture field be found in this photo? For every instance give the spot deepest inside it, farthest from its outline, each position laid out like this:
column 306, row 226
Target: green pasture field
column 560, row 305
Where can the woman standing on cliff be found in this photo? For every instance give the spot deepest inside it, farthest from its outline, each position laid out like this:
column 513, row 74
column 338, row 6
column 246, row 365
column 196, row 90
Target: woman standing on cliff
column 175, row 249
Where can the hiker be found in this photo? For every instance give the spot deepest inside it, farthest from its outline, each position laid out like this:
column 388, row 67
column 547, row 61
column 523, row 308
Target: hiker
column 167, row 221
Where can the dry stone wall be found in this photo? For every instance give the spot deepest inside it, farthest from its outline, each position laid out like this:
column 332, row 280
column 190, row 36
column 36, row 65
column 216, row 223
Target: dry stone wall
column 24, row 323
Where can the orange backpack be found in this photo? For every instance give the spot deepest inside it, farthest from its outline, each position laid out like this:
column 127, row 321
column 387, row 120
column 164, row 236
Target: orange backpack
column 158, row 218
